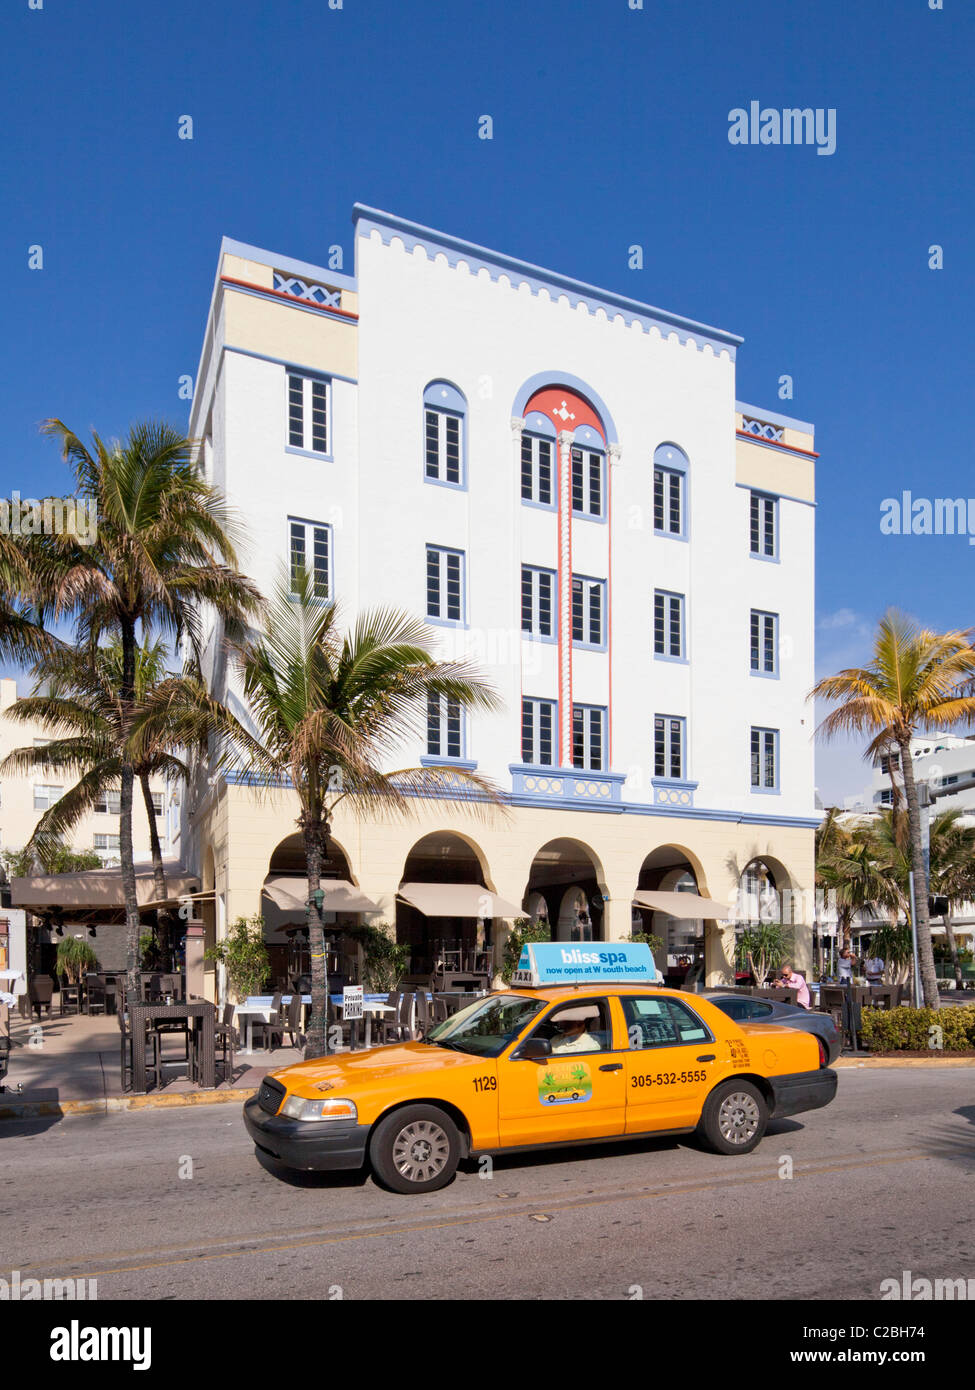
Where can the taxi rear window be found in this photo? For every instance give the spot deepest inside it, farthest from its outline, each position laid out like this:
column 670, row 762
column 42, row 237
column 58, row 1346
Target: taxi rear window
column 659, row 1022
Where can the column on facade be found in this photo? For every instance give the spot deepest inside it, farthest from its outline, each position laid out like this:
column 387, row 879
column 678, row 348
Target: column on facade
column 565, row 596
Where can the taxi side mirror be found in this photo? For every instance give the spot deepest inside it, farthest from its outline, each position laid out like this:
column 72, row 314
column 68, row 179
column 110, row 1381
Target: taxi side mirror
column 533, row 1050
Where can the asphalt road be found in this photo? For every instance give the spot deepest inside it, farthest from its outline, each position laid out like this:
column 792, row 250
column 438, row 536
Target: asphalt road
column 174, row 1204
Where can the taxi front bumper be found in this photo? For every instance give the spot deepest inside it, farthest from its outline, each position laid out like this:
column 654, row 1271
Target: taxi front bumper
column 801, row 1090
column 319, row 1145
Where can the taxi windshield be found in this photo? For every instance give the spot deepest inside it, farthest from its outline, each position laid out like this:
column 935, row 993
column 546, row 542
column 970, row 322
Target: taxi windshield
column 486, row 1027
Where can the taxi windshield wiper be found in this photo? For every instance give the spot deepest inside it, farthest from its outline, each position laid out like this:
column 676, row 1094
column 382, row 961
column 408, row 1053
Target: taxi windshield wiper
column 445, row 1042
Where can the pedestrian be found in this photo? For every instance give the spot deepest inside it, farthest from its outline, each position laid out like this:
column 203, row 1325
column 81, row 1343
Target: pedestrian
column 873, row 968
column 844, row 966
column 789, row 979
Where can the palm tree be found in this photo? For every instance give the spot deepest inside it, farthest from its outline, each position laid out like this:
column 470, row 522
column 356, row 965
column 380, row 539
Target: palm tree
column 163, row 553
column 22, row 635
column 916, row 679
column 77, row 698
column 329, row 709
column 952, row 871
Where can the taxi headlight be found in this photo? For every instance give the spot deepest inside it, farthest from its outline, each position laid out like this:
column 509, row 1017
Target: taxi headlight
column 297, row 1108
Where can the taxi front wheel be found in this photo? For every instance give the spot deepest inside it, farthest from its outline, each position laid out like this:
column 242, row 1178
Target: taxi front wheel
column 415, row 1149
column 734, row 1118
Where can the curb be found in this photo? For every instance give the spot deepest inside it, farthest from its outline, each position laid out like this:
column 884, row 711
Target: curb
column 113, row 1105
column 877, row 1062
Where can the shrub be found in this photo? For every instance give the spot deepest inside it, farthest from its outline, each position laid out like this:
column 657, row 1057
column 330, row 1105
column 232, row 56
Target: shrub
column 383, row 961
column 74, row 957
column 523, row 931
column 909, row 1030
column 245, row 956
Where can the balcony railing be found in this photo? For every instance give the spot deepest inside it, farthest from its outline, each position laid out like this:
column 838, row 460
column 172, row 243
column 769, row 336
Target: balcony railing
column 572, row 785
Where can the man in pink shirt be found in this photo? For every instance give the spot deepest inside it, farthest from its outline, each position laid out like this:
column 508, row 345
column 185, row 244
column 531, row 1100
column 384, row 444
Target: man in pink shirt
column 788, row 979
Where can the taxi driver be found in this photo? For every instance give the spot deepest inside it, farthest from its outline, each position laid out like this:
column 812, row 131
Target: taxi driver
column 570, row 1032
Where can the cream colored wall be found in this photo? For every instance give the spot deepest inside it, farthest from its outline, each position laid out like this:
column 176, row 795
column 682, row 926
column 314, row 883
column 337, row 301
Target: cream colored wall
column 244, row 829
column 17, row 815
column 279, row 329
column 774, row 470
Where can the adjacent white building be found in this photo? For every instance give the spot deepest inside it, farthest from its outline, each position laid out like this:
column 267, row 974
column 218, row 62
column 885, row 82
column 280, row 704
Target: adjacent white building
column 561, row 481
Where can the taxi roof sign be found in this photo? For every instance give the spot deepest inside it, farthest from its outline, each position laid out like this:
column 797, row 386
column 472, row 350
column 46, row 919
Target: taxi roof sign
column 566, row 963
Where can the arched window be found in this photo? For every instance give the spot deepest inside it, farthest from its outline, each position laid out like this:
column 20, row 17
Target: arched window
column 670, row 465
column 444, row 441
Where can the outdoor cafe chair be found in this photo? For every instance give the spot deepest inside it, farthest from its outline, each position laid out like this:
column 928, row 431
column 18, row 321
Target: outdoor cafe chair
column 41, row 992
column 423, row 1019
column 274, row 1026
column 69, row 998
column 293, row 1023
column 387, row 1024
column 404, row 1016
column 95, row 995
column 440, row 1009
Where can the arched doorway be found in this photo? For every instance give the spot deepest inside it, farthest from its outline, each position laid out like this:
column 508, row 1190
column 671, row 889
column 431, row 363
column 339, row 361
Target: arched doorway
column 461, row 944
column 567, row 876
column 764, row 901
column 681, row 954
column 284, row 910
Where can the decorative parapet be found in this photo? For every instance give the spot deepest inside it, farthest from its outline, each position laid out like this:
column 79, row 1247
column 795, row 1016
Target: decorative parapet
column 668, row 792
column 762, row 429
column 567, row 784
column 300, row 289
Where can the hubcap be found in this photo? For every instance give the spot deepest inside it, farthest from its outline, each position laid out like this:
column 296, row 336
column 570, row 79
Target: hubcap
column 420, row 1151
column 738, row 1118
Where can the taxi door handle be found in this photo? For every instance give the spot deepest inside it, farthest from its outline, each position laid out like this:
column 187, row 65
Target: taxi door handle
column 707, row 1057
column 611, row 1066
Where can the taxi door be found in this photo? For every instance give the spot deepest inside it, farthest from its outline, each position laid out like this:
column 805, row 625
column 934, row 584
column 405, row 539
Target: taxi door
column 670, row 1063
column 570, row 1094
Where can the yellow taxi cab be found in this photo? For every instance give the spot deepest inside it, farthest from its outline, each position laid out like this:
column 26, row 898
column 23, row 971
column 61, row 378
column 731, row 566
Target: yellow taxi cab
column 579, row 1050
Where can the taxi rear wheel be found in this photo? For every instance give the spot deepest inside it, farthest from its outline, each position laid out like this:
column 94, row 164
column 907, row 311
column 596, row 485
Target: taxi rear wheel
column 734, row 1118
column 415, row 1149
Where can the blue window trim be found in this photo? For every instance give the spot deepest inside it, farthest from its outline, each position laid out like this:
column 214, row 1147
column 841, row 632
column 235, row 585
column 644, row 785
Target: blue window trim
column 602, row 519
column 327, row 457
column 777, row 743
column 681, row 466
column 537, row 636
column 457, row 407
column 665, row 781
column 544, row 430
column 307, row 521
column 447, row 550
column 774, row 674
column 683, row 659
column 602, row 711
column 604, row 618
column 539, row 767
column 435, row 759
column 774, row 559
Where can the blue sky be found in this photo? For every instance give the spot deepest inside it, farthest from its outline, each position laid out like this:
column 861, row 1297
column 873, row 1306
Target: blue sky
column 610, row 128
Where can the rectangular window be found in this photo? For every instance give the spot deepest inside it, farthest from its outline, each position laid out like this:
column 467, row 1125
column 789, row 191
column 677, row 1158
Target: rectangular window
column 442, row 447
column 668, row 746
column 536, row 470
column 310, row 549
column 668, row 624
column 445, row 584
column 588, row 610
column 109, row 804
column 444, row 729
column 763, row 538
column 888, row 761
column 765, row 759
column 588, row 737
column 587, row 482
column 157, row 803
column 45, row 797
column 307, row 413
column 764, row 642
column 668, row 502
column 537, row 732
column 537, row 601
column 107, row 843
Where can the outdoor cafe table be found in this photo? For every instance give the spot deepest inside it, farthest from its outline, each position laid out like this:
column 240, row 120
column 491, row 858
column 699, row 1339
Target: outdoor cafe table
column 202, row 1015
column 258, row 1006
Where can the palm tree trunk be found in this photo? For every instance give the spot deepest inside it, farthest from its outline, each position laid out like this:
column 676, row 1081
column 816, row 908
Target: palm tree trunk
column 316, row 1044
column 925, row 946
column 127, row 695
column 163, row 916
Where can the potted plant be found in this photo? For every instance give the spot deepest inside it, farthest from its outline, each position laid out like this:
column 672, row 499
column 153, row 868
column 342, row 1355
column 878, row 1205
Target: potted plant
column 383, row 961
column 74, row 958
column 244, row 955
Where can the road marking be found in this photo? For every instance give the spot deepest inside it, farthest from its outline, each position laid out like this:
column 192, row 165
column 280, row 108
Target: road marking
column 245, row 1245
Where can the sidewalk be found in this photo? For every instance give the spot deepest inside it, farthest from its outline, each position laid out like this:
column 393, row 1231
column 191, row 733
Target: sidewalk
column 71, row 1064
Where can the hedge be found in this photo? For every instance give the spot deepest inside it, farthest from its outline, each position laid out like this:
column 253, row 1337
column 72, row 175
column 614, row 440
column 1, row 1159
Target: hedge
column 908, row 1030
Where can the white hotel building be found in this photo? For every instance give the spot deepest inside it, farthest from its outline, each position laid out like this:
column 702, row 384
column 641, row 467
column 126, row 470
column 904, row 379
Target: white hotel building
column 561, row 480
